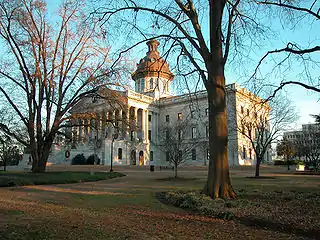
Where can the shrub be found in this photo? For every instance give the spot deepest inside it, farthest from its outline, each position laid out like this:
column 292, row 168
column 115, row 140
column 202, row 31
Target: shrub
column 201, row 204
column 92, row 158
column 79, row 159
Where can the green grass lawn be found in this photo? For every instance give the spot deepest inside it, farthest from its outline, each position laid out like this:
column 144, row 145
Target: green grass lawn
column 286, row 206
column 10, row 179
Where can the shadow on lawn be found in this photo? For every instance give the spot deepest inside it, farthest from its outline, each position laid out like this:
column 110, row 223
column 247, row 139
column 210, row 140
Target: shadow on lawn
column 280, row 227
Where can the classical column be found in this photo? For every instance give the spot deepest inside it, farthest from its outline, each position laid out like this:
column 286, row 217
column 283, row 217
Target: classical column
column 99, row 126
column 103, row 125
column 146, row 124
column 135, row 122
column 143, row 124
column 82, row 130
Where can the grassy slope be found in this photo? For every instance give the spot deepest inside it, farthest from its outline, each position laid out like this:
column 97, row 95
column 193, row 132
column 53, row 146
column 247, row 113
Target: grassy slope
column 126, row 208
column 9, row 179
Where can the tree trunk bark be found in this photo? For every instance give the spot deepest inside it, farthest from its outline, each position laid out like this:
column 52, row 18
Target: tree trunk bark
column 218, row 183
column 257, row 173
column 175, row 170
column 40, row 158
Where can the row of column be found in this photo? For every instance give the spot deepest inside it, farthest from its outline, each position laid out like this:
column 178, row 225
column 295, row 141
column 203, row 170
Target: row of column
column 134, row 121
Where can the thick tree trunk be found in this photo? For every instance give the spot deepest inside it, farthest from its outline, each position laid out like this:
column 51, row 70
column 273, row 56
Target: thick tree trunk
column 257, row 173
column 218, row 183
column 40, row 158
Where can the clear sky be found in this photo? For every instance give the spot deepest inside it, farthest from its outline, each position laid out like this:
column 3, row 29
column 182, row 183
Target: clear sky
column 306, row 33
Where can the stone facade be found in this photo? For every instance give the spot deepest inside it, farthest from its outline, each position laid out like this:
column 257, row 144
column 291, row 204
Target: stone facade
column 138, row 116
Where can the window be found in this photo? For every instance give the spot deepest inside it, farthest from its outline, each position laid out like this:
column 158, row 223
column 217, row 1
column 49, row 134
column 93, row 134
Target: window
column 242, row 109
column 179, row 134
column 151, row 83
column 248, row 112
column 250, row 153
column 180, row 155
column 194, row 154
column 194, row 132
column 179, row 116
column 207, row 111
column 208, row 154
column 119, row 153
column 149, row 118
column 167, row 118
column 192, row 114
column 167, row 156
column 167, row 135
column 244, row 153
column 142, row 85
column 149, row 135
column 151, row 156
column 138, row 85
column 207, row 131
column 132, row 135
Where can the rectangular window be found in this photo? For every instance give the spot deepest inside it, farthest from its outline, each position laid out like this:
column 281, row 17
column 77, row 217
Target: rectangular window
column 244, row 153
column 207, row 111
column 179, row 116
column 151, row 156
column 250, row 153
column 207, row 131
column 167, row 118
column 192, row 114
column 149, row 118
column 194, row 132
column 194, row 154
column 142, row 85
column 149, row 135
column 119, row 153
column 167, row 156
column 179, row 134
column 180, row 156
column 151, row 83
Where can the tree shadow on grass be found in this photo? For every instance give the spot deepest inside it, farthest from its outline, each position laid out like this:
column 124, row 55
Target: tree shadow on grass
column 178, row 179
column 279, row 227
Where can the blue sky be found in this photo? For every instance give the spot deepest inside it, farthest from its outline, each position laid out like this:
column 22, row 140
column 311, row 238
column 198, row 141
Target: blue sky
column 305, row 33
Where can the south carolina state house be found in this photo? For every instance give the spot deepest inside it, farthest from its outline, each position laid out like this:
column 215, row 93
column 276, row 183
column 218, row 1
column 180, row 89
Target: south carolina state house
column 129, row 123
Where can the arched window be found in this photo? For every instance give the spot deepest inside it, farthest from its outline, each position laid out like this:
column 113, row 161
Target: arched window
column 119, row 153
column 151, row 83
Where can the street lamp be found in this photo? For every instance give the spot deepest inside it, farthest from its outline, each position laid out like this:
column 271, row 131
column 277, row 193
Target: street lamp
column 114, row 136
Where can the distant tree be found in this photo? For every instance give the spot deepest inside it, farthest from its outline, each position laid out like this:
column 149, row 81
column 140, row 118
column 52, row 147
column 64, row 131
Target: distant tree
column 310, row 149
column 287, row 149
column 45, row 70
column 263, row 122
column 176, row 141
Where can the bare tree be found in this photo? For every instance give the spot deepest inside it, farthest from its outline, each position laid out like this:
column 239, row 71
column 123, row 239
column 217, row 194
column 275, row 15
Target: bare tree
column 46, row 69
column 178, row 141
column 295, row 12
column 183, row 24
column 262, row 123
column 287, row 149
column 309, row 148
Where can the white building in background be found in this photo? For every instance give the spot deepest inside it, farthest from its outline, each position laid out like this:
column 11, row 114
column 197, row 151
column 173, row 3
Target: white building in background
column 139, row 115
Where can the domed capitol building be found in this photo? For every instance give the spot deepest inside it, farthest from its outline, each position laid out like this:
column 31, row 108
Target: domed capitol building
column 127, row 127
